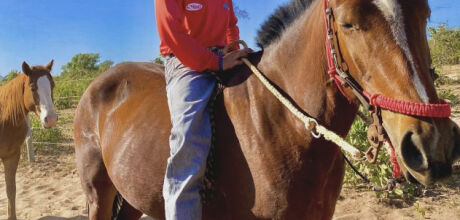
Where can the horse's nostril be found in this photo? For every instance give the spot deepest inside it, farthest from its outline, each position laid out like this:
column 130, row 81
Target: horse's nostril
column 411, row 154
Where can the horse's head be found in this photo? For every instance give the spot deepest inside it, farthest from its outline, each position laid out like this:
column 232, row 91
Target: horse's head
column 384, row 45
column 38, row 93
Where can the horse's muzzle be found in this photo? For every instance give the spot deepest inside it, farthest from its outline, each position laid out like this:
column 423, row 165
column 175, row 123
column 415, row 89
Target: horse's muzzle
column 50, row 120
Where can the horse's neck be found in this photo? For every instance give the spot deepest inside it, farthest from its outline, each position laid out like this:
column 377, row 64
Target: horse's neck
column 12, row 108
column 297, row 63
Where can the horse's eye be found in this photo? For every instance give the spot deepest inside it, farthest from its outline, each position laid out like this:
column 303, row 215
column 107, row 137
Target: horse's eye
column 347, row 25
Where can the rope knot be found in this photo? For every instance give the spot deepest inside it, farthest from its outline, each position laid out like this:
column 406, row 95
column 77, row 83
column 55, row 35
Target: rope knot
column 373, row 99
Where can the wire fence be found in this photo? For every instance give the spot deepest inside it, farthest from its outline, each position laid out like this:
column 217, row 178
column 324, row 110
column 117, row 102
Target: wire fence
column 73, row 80
column 70, row 128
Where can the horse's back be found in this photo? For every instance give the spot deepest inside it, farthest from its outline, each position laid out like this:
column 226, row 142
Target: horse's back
column 125, row 112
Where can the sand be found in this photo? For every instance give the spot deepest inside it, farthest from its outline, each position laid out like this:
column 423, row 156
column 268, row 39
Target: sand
column 49, row 189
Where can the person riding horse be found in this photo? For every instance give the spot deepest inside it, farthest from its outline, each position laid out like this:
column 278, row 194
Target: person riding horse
column 190, row 31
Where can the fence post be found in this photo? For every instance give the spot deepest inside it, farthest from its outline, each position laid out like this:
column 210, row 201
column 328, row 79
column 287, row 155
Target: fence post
column 29, row 142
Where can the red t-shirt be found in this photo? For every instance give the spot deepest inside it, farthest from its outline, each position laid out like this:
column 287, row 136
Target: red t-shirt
column 188, row 27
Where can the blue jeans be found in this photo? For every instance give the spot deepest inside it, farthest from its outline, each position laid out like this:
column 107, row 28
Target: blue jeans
column 188, row 95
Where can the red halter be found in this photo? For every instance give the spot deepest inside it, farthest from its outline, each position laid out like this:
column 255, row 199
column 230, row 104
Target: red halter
column 343, row 77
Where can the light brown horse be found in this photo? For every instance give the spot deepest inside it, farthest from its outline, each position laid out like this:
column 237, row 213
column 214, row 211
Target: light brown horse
column 30, row 91
column 267, row 166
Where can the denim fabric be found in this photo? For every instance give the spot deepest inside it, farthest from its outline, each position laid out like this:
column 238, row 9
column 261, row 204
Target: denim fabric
column 188, row 95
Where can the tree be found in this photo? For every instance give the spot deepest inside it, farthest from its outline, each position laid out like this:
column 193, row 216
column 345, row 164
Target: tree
column 11, row 75
column 84, row 65
column 104, row 66
column 158, row 60
column 76, row 76
column 444, row 45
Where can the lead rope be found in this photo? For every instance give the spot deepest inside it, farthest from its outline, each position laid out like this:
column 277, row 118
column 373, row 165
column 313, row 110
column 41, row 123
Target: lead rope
column 310, row 123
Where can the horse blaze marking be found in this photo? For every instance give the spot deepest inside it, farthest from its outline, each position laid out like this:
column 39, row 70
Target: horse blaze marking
column 393, row 14
column 44, row 94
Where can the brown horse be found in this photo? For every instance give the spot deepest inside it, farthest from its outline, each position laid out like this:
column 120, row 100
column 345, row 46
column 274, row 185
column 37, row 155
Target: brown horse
column 267, row 166
column 31, row 91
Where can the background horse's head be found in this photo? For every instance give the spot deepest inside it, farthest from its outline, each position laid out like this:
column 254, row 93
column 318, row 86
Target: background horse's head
column 384, row 45
column 38, row 93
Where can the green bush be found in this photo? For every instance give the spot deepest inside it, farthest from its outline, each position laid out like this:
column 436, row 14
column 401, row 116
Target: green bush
column 449, row 95
column 444, row 45
column 443, row 80
column 39, row 134
column 75, row 78
column 68, row 92
column 381, row 172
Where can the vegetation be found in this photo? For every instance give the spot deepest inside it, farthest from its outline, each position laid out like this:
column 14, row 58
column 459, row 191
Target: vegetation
column 11, row 75
column 449, row 95
column 51, row 135
column 76, row 76
column 381, row 172
column 159, row 60
column 444, row 45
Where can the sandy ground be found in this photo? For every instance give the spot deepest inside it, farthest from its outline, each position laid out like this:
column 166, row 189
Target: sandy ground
column 440, row 202
column 49, row 189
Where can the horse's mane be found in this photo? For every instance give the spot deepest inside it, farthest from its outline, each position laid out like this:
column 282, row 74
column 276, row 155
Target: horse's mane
column 12, row 100
column 280, row 20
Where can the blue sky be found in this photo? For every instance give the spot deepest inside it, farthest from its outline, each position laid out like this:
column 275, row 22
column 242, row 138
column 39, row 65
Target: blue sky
column 119, row 30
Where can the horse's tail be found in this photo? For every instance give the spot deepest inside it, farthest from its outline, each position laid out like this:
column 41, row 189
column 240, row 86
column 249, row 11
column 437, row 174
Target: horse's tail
column 116, row 207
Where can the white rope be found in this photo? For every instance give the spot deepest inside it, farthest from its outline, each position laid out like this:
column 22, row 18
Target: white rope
column 310, row 123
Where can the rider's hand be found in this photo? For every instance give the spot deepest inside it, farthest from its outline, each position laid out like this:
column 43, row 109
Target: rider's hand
column 233, row 58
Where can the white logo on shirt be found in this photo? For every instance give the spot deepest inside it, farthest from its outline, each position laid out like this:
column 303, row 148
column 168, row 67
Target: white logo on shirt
column 194, row 7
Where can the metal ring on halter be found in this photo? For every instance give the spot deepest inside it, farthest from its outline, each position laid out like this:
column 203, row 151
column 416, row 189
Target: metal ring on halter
column 312, row 129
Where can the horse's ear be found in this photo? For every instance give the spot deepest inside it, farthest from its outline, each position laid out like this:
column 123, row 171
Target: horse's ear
column 49, row 66
column 26, row 68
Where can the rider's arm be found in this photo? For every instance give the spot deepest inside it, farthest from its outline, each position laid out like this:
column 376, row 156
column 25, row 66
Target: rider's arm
column 169, row 16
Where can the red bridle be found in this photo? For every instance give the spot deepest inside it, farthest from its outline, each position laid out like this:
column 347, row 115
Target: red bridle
column 374, row 102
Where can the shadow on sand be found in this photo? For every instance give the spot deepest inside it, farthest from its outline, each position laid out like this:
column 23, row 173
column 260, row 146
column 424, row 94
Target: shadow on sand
column 79, row 218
